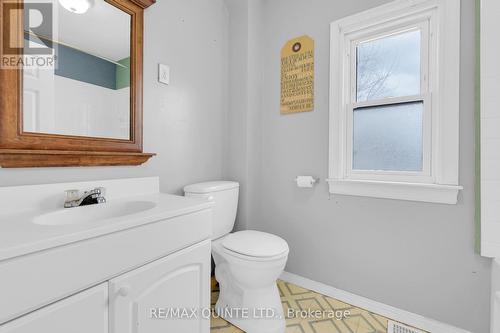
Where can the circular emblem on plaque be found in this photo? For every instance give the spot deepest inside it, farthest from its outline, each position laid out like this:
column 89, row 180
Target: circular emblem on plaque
column 296, row 47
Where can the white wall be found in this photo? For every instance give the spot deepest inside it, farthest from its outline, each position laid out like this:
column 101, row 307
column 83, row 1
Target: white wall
column 183, row 122
column 59, row 105
column 415, row 256
column 490, row 129
column 490, row 148
column 86, row 109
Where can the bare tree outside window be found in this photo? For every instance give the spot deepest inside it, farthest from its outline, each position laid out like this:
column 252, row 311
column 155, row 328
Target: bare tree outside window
column 372, row 78
column 388, row 67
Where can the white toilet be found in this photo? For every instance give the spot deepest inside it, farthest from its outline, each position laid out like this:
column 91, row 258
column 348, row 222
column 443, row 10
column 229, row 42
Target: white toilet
column 247, row 264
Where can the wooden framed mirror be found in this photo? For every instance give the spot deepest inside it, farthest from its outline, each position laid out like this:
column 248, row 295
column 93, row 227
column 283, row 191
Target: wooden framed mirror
column 83, row 107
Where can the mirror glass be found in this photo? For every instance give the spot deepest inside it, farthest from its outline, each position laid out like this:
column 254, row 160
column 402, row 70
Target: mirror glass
column 87, row 91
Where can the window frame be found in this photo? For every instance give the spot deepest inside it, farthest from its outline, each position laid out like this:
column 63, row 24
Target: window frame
column 425, row 175
column 439, row 23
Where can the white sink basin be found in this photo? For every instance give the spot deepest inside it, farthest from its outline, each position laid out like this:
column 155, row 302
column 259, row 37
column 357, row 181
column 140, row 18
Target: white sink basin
column 93, row 213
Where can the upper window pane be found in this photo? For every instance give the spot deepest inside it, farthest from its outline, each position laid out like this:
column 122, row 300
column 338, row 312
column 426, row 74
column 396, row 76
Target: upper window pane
column 388, row 67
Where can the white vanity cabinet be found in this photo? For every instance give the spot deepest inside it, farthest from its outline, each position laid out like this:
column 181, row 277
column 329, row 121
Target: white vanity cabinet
column 84, row 312
column 101, row 269
column 159, row 297
column 134, row 302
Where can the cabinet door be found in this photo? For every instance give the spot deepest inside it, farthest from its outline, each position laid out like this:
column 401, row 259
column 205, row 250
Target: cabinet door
column 141, row 301
column 84, row 312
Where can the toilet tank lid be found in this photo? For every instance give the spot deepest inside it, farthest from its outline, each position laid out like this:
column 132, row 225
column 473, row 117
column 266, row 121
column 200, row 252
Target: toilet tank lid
column 209, row 187
column 255, row 244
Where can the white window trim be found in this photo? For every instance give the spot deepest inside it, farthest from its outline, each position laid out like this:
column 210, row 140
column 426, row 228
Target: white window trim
column 439, row 181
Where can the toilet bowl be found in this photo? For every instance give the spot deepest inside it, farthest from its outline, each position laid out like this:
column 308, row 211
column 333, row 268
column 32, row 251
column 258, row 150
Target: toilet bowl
column 247, row 264
column 248, row 283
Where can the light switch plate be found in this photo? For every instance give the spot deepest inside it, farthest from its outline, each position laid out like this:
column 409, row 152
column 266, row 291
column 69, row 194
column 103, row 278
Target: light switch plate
column 164, row 74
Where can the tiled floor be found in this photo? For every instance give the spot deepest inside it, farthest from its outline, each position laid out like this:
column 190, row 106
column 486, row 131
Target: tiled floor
column 295, row 297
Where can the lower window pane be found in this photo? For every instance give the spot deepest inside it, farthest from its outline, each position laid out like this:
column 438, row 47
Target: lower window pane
column 388, row 138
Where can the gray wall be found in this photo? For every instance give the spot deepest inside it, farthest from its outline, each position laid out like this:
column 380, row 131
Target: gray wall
column 184, row 122
column 245, row 30
column 415, row 256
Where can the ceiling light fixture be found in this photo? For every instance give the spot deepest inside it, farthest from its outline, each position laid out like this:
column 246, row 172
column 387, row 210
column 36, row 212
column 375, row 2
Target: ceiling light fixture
column 77, row 6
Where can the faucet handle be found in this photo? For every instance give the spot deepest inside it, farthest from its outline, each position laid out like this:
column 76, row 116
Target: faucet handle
column 72, row 195
column 101, row 191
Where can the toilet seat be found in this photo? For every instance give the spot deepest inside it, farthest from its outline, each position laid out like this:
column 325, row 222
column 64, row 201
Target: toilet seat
column 255, row 244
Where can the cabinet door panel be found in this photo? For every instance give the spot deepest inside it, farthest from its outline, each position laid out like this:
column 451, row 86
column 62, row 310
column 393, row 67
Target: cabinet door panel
column 180, row 281
column 84, row 312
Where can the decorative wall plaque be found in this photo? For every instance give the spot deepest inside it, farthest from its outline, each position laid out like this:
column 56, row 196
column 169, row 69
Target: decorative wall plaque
column 297, row 75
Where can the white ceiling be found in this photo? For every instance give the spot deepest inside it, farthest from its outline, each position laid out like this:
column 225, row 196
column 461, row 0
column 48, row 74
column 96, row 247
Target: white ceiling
column 103, row 30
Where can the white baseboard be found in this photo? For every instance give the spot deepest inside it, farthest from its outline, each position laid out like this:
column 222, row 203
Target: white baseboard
column 402, row 316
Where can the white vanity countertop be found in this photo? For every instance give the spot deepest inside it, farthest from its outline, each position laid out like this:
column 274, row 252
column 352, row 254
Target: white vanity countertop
column 19, row 235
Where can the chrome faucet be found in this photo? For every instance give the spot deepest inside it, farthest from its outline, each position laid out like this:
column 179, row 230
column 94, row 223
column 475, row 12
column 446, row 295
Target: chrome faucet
column 92, row 197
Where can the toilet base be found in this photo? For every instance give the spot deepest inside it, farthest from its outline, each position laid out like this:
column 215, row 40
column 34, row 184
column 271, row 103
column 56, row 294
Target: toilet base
column 251, row 310
column 248, row 293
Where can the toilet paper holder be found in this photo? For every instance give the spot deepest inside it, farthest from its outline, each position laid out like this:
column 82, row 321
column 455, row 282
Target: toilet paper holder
column 306, row 181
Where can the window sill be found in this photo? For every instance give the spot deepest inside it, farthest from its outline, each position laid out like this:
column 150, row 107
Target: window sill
column 444, row 194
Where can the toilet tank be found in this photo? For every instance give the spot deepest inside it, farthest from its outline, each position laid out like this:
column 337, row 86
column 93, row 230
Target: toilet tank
column 224, row 195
